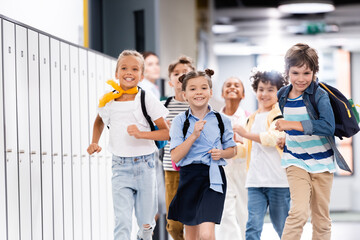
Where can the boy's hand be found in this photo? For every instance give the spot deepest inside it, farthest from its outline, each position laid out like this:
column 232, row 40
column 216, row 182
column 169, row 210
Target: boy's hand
column 239, row 130
column 199, row 126
column 93, row 147
column 215, row 153
column 281, row 125
column 134, row 131
column 280, row 143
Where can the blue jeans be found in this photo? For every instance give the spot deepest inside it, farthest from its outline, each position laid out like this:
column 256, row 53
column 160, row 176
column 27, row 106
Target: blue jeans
column 259, row 199
column 134, row 184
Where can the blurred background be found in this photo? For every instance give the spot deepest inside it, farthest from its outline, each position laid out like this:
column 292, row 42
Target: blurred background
column 229, row 36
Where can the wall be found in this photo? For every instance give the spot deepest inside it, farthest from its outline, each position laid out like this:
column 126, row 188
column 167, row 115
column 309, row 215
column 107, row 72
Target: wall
column 59, row 18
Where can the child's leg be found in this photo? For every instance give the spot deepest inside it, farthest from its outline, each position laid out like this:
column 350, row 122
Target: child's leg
column 257, row 206
column 146, row 198
column 192, row 232
column 207, row 231
column 300, row 192
column 175, row 228
column 319, row 203
column 279, row 205
column 123, row 197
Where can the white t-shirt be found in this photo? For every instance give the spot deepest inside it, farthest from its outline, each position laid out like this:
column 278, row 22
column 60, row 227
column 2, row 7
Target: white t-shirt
column 265, row 165
column 118, row 115
column 149, row 87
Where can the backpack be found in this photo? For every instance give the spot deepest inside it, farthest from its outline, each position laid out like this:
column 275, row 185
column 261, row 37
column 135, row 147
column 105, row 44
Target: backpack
column 346, row 124
column 159, row 144
column 218, row 116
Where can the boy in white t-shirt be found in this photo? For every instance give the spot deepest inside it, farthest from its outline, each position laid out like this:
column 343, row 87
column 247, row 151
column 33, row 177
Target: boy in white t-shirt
column 266, row 180
column 132, row 144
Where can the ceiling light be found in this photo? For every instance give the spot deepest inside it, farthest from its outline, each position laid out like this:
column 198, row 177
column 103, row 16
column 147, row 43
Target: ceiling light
column 222, row 29
column 306, row 7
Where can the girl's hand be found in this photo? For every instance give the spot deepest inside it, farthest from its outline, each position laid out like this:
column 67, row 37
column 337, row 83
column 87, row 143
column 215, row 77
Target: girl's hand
column 168, row 123
column 199, row 126
column 93, row 147
column 239, row 130
column 215, row 153
column 280, row 143
column 134, row 131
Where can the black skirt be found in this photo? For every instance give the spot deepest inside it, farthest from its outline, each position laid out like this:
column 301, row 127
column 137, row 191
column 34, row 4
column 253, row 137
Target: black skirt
column 195, row 202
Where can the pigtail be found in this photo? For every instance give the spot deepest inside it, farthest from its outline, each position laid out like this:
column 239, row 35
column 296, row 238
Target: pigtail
column 181, row 78
column 209, row 72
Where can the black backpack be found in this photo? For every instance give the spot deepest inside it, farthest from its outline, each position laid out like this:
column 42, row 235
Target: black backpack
column 346, row 124
column 218, row 116
column 159, row 144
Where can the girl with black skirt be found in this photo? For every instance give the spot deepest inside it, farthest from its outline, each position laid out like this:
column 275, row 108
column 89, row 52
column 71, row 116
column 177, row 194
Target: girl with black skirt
column 200, row 140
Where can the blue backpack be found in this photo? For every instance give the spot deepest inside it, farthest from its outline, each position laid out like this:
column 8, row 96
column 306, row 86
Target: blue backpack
column 346, row 123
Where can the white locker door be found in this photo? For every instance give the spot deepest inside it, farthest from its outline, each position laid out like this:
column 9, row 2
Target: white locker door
column 56, row 139
column 75, row 141
column 34, row 116
column 23, row 131
column 100, row 80
column 84, row 133
column 108, row 159
column 66, row 140
column 45, row 119
column 94, row 161
column 12, row 174
column 3, row 223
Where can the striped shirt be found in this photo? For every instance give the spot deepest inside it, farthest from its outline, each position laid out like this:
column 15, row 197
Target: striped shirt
column 175, row 107
column 309, row 152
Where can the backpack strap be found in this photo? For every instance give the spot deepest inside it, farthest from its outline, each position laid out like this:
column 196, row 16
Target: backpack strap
column 312, row 99
column 218, row 116
column 186, row 123
column 278, row 117
column 143, row 108
column 221, row 125
column 168, row 100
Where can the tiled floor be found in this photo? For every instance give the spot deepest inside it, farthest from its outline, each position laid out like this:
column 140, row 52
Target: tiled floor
column 340, row 231
column 345, row 226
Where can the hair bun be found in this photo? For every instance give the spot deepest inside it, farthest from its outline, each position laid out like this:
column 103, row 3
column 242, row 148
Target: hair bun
column 209, row 72
column 181, row 78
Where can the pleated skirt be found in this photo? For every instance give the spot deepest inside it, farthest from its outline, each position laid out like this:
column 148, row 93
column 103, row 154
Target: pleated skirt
column 195, row 202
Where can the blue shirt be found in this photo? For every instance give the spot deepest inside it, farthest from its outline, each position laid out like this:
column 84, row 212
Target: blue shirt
column 209, row 139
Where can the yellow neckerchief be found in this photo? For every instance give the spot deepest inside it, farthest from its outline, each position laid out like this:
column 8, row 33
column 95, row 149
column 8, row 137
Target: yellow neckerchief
column 112, row 95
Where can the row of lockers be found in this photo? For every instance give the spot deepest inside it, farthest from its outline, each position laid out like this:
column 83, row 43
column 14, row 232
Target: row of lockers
column 49, row 186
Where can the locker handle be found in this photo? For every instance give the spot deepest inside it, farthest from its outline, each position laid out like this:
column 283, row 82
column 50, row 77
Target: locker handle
column 21, row 151
column 9, row 49
column 33, row 152
column 44, row 153
column 55, row 154
column 9, row 150
column 22, row 54
column 65, row 154
column 74, row 155
column 83, row 155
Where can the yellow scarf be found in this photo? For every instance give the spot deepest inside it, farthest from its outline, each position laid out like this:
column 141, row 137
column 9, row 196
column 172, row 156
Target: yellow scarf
column 112, row 95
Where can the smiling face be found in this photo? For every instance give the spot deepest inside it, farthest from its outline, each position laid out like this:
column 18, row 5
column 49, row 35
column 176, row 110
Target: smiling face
column 266, row 95
column 300, row 78
column 233, row 89
column 129, row 72
column 179, row 70
column 198, row 92
column 152, row 68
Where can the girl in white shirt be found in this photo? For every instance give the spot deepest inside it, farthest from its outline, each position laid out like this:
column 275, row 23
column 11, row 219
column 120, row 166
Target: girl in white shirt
column 131, row 143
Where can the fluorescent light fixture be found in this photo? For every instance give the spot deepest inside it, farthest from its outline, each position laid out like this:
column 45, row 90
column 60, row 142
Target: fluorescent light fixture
column 222, row 29
column 306, row 7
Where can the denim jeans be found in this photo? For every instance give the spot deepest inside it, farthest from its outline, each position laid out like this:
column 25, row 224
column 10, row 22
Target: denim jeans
column 134, row 184
column 259, row 199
